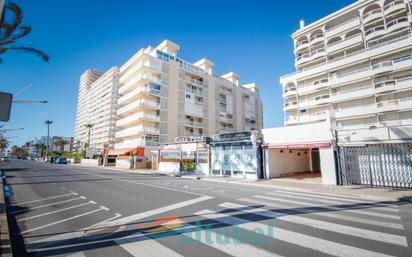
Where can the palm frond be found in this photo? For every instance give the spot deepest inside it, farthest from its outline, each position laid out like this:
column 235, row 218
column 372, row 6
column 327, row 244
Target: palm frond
column 17, row 18
column 24, row 30
column 29, row 49
column 5, row 31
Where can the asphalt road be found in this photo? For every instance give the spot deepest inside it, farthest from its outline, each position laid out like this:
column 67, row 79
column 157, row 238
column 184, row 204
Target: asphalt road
column 63, row 210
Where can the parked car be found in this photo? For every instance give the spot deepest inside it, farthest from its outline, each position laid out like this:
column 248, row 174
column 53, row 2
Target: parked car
column 5, row 159
column 60, row 160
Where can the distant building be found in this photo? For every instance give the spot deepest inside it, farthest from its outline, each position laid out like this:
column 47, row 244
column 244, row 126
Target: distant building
column 68, row 147
column 97, row 105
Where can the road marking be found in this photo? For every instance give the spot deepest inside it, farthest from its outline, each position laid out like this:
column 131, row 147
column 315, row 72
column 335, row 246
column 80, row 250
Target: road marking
column 93, row 202
column 48, row 198
column 60, row 221
column 142, row 215
column 149, row 185
column 302, row 240
column 79, row 254
column 363, row 212
column 145, row 247
column 41, row 206
column 323, row 225
column 62, row 187
column 104, row 208
column 327, row 214
column 376, row 206
column 52, row 212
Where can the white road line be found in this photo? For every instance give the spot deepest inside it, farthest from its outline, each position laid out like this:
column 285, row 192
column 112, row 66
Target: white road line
column 48, row 198
column 333, row 214
column 357, row 211
column 149, row 185
column 42, row 206
column 142, row 215
column 302, row 240
column 79, row 254
column 377, row 206
column 116, row 215
column 62, row 187
column 60, row 221
column 323, row 225
column 104, row 208
column 52, row 212
column 145, row 247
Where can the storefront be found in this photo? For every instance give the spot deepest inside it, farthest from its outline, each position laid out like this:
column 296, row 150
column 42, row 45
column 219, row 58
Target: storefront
column 185, row 157
column 235, row 155
column 130, row 158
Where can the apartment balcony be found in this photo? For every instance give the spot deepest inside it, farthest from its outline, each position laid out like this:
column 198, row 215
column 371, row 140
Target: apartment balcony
column 404, row 83
column 396, row 24
column 301, row 46
column 317, row 54
column 139, row 142
column 290, row 106
column 136, row 131
column 196, row 124
column 193, row 109
column 342, row 96
column 372, row 15
column 393, row 7
column 316, row 85
column 196, row 92
column 348, row 42
column 289, row 92
column 356, row 111
column 137, row 118
column 343, row 27
column 313, row 117
column 388, row 106
column 136, row 93
column 347, row 78
column 134, row 106
column 154, row 65
column 316, row 39
column 375, row 32
column 382, row 67
column 138, row 80
column 291, row 120
column 324, row 99
column 302, row 59
column 385, row 86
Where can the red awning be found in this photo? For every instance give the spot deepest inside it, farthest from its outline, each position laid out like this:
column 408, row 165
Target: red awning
column 306, row 145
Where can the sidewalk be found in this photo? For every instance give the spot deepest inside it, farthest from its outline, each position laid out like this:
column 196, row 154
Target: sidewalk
column 5, row 243
column 363, row 192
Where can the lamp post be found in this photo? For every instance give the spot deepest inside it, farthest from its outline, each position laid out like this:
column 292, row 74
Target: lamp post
column 48, row 123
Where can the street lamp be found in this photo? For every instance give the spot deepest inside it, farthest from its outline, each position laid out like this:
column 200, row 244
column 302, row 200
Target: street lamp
column 48, row 123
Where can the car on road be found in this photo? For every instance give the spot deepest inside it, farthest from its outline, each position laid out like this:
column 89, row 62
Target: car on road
column 60, row 160
column 5, row 159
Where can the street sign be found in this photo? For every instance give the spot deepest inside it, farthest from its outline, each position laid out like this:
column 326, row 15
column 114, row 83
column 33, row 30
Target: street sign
column 5, row 106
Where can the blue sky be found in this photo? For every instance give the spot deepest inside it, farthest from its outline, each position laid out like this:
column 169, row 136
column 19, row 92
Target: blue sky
column 251, row 38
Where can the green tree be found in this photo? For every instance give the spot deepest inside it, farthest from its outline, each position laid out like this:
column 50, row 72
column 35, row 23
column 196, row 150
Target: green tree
column 89, row 126
column 61, row 143
column 3, row 144
column 11, row 30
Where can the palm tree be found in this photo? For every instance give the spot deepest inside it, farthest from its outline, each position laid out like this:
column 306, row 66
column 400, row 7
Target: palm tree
column 3, row 144
column 61, row 143
column 89, row 126
column 11, row 30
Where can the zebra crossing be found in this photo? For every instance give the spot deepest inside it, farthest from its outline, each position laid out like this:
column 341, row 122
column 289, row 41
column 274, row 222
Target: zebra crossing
column 316, row 223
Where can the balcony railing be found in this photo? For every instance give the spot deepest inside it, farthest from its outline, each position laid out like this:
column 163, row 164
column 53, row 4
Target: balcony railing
column 369, row 15
column 390, row 25
column 388, row 8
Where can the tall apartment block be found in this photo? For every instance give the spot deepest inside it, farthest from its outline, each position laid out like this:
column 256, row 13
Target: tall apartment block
column 97, row 105
column 163, row 97
column 354, row 65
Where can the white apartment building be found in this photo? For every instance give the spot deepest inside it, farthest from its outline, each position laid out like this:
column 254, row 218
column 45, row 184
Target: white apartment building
column 163, row 97
column 97, row 105
column 354, row 65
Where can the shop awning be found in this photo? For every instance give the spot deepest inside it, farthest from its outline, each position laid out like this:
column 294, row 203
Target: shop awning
column 122, row 151
column 303, row 145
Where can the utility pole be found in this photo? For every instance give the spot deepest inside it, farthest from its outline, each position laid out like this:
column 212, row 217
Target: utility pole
column 48, row 123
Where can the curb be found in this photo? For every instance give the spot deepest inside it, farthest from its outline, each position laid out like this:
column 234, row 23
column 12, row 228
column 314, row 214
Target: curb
column 5, row 241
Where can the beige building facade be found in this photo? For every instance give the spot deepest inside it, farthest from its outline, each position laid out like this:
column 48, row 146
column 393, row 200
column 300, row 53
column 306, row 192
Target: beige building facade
column 354, row 65
column 163, row 97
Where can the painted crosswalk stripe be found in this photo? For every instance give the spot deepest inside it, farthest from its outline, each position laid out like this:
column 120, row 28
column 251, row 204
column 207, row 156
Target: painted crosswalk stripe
column 52, row 212
column 60, row 221
column 50, row 204
column 376, row 206
column 334, row 215
column 338, row 199
column 357, row 211
column 145, row 247
column 323, row 225
column 302, row 240
column 45, row 199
